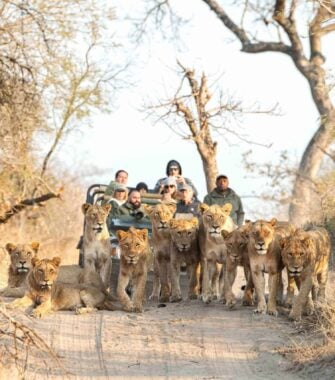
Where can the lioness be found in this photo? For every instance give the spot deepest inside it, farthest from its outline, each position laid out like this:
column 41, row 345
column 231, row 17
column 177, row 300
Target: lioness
column 306, row 255
column 237, row 255
column 20, row 264
column 45, row 295
column 184, row 248
column 214, row 219
column 265, row 257
column 97, row 247
column 134, row 246
column 160, row 215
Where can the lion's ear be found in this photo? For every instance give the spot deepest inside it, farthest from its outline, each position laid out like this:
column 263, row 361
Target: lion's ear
column 121, row 234
column 56, row 261
column 227, row 208
column 203, row 207
column 172, row 207
column 148, row 209
column 195, row 222
column 225, row 234
column 10, row 247
column 85, row 207
column 273, row 222
column 35, row 261
column 107, row 207
column 35, row 245
column 172, row 223
column 283, row 242
column 144, row 233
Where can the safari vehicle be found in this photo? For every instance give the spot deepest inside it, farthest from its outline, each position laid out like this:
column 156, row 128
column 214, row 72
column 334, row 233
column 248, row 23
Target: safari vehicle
column 95, row 195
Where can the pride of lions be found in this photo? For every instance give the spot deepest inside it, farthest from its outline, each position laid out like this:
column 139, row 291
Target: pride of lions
column 210, row 247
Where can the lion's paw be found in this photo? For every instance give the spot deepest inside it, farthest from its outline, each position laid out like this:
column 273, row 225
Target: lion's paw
column 154, row 298
column 138, row 309
column 176, row 298
column 294, row 316
column 259, row 311
column 273, row 312
column 206, row 298
column 193, row 296
column 247, row 302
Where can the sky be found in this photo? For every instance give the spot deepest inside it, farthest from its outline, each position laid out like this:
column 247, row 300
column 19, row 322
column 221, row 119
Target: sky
column 125, row 139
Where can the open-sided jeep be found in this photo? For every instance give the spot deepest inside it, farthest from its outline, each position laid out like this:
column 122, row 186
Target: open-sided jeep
column 95, row 195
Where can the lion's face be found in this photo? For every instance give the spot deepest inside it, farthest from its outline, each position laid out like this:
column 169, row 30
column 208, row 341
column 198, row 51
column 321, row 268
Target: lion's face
column 183, row 232
column 45, row 271
column 96, row 216
column 262, row 233
column 21, row 256
column 214, row 218
column 236, row 243
column 160, row 215
column 296, row 252
column 133, row 244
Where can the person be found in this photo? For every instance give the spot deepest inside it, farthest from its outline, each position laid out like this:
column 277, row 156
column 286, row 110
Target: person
column 173, row 169
column 132, row 207
column 223, row 194
column 119, row 196
column 142, row 187
column 121, row 177
column 187, row 205
column 169, row 192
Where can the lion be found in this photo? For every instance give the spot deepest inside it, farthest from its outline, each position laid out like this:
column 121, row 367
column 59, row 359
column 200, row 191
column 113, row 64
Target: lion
column 306, row 255
column 237, row 255
column 97, row 247
column 134, row 247
column 45, row 295
column 160, row 215
column 20, row 264
column 265, row 257
column 184, row 248
column 214, row 219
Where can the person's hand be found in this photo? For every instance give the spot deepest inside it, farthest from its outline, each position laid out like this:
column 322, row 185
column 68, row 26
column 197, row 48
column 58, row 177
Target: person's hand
column 180, row 180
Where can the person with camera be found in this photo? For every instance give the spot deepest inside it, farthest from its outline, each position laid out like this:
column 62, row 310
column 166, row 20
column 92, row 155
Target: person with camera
column 132, row 207
column 173, row 169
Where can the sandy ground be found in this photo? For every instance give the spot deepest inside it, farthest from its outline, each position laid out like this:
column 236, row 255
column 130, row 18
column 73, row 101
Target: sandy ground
column 188, row 340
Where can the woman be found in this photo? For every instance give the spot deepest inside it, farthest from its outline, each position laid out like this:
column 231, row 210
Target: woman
column 120, row 195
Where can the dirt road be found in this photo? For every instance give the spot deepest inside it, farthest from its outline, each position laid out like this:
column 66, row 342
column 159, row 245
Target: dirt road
column 188, row 340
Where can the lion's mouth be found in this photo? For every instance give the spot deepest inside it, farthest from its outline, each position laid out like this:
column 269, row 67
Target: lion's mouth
column 294, row 272
column 97, row 229
column 261, row 251
column 22, row 270
column 45, row 286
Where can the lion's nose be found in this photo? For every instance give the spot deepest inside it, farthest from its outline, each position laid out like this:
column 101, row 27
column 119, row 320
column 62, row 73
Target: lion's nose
column 22, row 262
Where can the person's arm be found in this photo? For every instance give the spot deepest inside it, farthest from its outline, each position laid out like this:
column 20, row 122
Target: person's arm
column 207, row 200
column 240, row 213
column 159, row 186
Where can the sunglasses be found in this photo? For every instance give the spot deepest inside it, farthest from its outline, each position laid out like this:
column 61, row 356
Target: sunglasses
column 173, row 168
column 167, row 186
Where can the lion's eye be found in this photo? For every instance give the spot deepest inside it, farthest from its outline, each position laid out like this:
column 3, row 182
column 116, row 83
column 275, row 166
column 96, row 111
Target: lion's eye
column 209, row 217
column 179, row 233
column 51, row 271
column 301, row 253
column 40, row 271
column 289, row 254
column 126, row 246
column 17, row 254
column 138, row 245
column 29, row 254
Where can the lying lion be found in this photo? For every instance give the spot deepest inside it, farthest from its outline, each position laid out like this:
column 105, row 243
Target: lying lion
column 46, row 295
column 20, row 264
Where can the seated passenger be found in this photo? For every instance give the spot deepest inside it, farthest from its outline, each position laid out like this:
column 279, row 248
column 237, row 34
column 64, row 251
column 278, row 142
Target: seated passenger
column 131, row 208
column 142, row 187
column 169, row 192
column 119, row 196
column 187, row 205
column 121, row 177
column 173, row 168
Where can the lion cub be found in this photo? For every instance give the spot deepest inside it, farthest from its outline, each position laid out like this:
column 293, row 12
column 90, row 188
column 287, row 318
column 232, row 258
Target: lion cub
column 97, row 247
column 306, row 255
column 134, row 246
column 20, row 264
column 45, row 295
column 184, row 249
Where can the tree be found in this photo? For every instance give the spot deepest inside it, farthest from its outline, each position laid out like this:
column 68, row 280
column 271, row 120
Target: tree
column 204, row 115
column 55, row 72
column 273, row 27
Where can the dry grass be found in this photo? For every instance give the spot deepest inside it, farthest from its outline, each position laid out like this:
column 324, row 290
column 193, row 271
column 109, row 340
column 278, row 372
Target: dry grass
column 314, row 354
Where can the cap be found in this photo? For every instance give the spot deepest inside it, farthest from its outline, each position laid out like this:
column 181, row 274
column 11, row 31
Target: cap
column 120, row 187
column 170, row 181
column 220, row 176
column 185, row 186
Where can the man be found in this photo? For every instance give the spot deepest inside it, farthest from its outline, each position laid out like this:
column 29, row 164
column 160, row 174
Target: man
column 132, row 207
column 187, row 204
column 223, row 194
